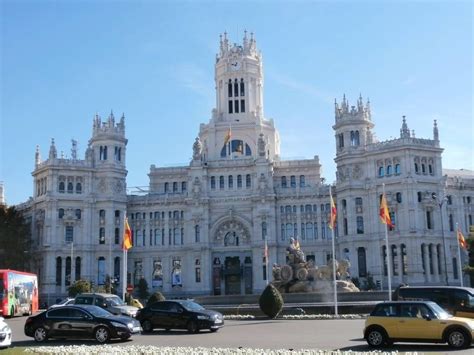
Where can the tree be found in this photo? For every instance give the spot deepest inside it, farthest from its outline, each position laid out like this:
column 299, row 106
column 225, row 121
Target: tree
column 79, row 286
column 143, row 289
column 157, row 296
column 15, row 240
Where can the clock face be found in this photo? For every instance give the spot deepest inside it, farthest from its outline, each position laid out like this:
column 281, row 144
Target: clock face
column 235, row 65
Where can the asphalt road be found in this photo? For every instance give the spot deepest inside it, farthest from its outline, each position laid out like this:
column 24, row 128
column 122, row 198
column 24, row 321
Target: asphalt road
column 344, row 335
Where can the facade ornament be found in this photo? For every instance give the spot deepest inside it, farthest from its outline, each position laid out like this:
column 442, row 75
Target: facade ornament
column 37, row 156
column 74, row 149
column 197, row 149
column 435, row 131
column 356, row 172
column 261, row 146
column 196, row 187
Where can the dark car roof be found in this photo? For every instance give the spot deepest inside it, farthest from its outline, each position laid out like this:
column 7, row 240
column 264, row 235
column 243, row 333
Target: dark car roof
column 97, row 294
column 470, row 289
column 403, row 302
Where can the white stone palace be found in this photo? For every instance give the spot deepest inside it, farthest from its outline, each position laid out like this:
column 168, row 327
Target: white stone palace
column 200, row 228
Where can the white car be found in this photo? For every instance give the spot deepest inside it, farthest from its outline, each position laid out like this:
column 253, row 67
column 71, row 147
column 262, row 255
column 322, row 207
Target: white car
column 5, row 334
column 65, row 302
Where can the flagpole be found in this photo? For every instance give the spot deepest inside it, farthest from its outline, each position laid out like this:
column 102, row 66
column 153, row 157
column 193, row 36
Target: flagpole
column 459, row 255
column 389, row 259
column 333, row 256
column 266, row 259
column 124, row 274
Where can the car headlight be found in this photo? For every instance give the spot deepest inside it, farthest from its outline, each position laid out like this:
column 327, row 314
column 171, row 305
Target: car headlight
column 130, row 325
column 202, row 316
column 117, row 324
column 5, row 329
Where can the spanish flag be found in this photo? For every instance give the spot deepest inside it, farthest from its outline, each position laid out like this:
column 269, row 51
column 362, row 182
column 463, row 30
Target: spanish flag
column 127, row 236
column 228, row 136
column 461, row 240
column 332, row 217
column 384, row 213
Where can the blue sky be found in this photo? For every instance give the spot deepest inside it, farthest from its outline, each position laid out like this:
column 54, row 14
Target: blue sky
column 63, row 61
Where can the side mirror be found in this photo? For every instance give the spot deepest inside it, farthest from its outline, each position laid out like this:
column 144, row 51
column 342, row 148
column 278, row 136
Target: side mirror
column 426, row 316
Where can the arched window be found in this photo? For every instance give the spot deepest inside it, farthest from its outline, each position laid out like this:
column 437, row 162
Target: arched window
column 61, row 213
column 213, row 182
column 399, row 197
column 101, row 235
column 248, row 181
column 183, row 186
column 239, row 181
column 417, row 170
column 68, row 271
column 61, row 187
column 105, row 153
column 404, row 266
column 293, row 181
column 381, row 171
column 117, row 267
column 236, row 88
column 101, row 271
column 70, row 188
column 389, row 170
column 302, row 181
column 221, row 182
column 423, row 168
column 117, row 235
column 345, row 226
column 451, row 223
column 341, row 140
column 229, row 89
column 309, row 231
column 230, row 181
column 166, row 187
column 78, row 213
column 283, row 181
column 430, row 169
column 78, row 269
column 360, row 225
column 197, row 233
column 357, row 140
column 59, row 269
column 362, row 262
column 242, row 88
column 78, row 188
column 175, row 187
column 397, row 169
column 264, row 230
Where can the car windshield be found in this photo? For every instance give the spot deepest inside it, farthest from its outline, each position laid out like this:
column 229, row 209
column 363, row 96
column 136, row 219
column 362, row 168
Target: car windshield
column 115, row 301
column 98, row 312
column 438, row 311
column 192, row 306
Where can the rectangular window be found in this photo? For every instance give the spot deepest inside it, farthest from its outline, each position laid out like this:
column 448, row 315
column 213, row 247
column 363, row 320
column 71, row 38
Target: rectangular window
column 230, row 106
column 117, row 236
column 198, row 274
column 236, row 106
column 101, row 235
column 242, row 105
column 429, row 224
column 69, row 237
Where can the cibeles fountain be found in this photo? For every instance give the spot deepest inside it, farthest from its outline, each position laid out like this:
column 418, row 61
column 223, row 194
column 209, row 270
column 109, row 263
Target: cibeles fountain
column 300, row 275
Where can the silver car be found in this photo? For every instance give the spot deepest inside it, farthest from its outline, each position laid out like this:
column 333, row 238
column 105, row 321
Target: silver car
column 107, row 301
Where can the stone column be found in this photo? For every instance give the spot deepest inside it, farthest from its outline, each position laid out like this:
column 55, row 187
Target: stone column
column 426, row 263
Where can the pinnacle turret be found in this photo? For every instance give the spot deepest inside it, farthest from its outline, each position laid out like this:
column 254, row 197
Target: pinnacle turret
column 37, row 156
column 248, row 47
column 53, row 154
column 404, row 131
column 356, row 112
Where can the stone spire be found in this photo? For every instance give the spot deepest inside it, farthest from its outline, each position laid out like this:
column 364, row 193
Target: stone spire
column 74, row 149
column 404, row 131
column 53, row 153
column 37, row 156
column 435, row 131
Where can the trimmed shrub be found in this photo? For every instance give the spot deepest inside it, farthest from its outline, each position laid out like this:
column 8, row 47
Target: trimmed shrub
column 157, row 296
column 270, row 301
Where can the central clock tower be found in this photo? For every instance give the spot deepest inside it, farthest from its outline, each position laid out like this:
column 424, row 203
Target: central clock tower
column 238, row 129
column 239, row 81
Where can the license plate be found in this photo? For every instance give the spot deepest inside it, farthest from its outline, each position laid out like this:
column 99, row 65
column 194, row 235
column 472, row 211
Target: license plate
column 218, row 321
column 136, row 329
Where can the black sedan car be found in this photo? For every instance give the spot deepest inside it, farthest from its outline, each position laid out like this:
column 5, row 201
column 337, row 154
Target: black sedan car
column 80, row 321
column 179, row 314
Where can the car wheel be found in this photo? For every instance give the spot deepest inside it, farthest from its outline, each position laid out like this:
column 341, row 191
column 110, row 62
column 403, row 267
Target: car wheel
column 193, row 327
column 147, row 326
column 40, row 335
column 102, row 335
column 376, row 338
column 458, row 339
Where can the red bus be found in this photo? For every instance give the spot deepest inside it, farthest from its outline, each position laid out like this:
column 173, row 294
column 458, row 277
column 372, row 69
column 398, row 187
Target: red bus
column 18, row 293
